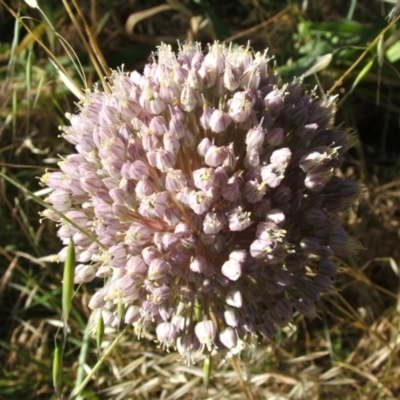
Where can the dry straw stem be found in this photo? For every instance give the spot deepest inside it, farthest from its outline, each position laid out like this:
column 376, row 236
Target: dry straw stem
column 92, row 48
column 139, row 16
column 243, row 384
column 263, row 24
column 359, row 276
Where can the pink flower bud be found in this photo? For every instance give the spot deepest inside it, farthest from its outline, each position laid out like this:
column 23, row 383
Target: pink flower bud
column 204, row 178
column 203, row 147
column 219, row 121
column 158, row 269
column 241, row 106
column 200, row 201
column 205, row 332
column 231, row 77
column 206, row 116
column 234, row 299
column 166, row 334
column 228, row 338
column 231, row 317
column 231, row 190
column 175, row 180
column 232, row 270
column 84, row 273
column 215, row 156
column 158, row 125
column 189, row 98
column 136, row 267
column 239, row 219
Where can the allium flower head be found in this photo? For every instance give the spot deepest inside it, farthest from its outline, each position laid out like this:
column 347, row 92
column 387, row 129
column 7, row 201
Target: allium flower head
column 209, row 186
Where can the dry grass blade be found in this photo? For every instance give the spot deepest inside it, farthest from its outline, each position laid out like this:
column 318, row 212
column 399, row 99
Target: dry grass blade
column 308, row 357
column 7, row 275
column 93, row 42
column 131, row 367
column 321, row 64
column 135, row 18
column 369, row 376
column 97, row 65
column 243, row 383
column 332, row 373
column 148, row 386
column 263, row 24
column 184, row 390
column 262, row 379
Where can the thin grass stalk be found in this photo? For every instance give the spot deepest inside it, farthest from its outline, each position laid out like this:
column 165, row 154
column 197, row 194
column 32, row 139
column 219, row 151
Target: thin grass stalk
column 358, row 275
column 352, row 8
column 38, row 90
column 359, row 323
column 71, row 54
column 10, row 73
column 243, row 384
column 263, row 24
column 14, row 45
column 30, row 233
column 78, row 390
column 46, row 205
column 367, row 375
column 93, row 41
column 88, row 48
column 14, row 110
column 22, row 271
column 40, row 43
column 328, row 337
column 83, row 355
column 28, row 88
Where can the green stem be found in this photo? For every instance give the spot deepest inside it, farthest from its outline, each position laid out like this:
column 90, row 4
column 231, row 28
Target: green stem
column 82, row 386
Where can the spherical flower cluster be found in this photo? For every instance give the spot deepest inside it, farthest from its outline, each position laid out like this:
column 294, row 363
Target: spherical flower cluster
column 209, row 187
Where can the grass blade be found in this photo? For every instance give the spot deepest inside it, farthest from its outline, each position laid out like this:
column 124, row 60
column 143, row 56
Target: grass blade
column 362, row 74
column 94, row 370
